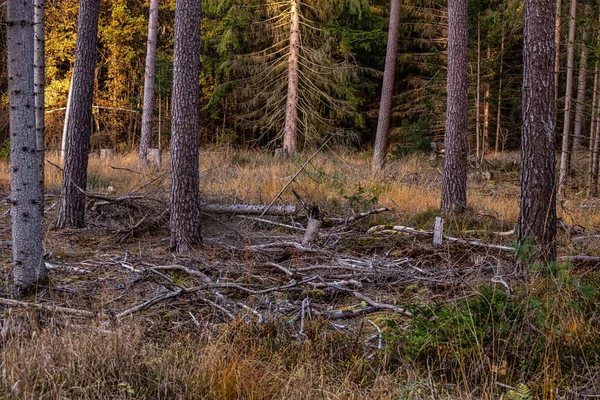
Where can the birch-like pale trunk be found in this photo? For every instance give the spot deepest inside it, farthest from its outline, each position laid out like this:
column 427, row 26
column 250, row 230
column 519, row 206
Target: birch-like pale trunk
column 387, row 89
column 149, row 79
column 290, row 130
column 39, row 85
column 28, row 264
column 564, row 157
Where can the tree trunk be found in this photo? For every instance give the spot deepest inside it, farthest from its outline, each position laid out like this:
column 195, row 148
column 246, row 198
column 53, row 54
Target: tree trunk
column 486, row 115
column 557, row 30
column 28, row 265
column 39, row 84
column 185, row 125
column 537, row 217
column 63, row 143
column 72, row 208
column 593, row 158
column 499, row 112
column 149, row 75
column 564, row 157
column 290, row 130
column 478, row 97
column 387, row 89
column 454, row 185
column 579, row 107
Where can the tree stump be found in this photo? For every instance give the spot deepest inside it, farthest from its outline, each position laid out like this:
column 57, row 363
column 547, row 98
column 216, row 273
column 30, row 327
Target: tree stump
column 154, row 158
column 106, row 154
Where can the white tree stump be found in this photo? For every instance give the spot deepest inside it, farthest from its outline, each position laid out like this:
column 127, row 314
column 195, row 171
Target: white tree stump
column 438, row 231
column 154, row 158
column 106, row 154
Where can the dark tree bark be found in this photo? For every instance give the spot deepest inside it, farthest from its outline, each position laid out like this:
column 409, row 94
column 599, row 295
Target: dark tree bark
column 387, row 89
column 28, row 265
column 454, row 185
column 72, row 208
column 39, row 84
column 537, row 217
column 149, row 78
column 185, row 125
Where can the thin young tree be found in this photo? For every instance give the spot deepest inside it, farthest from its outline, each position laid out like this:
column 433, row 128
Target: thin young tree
column 39, row 84
column 185, row 125
column 149, row 78
column 537, row 216
column 72, row 207
column 564, row 157
column 454, row 184
column 581, row 89
column 28, row 264
column 387, row 89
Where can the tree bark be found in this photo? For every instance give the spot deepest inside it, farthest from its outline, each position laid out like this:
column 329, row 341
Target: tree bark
column 149, row 78
column 39, row 84
column 63, row 143
column 594, row 139
column 478, row 155
column 564, row 157
column 185, row 125
column 72, row 208
column 537, row 217
column 290, row 130
column 557, row 33
column 499, row 112
column 454, row 184
column 28, row 265
column 486, row 115
column 387, row 89
column 581, row 86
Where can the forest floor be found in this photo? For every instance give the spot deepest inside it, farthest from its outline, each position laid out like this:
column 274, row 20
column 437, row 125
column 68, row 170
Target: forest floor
column 360, row 312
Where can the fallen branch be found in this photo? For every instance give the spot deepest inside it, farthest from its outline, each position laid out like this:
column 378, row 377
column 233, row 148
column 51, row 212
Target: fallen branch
column 248, row 209
column 581, row 258
column 268, row 221
column 126, row 169
column 157, row 299
column 46, row 307
column 382, row 306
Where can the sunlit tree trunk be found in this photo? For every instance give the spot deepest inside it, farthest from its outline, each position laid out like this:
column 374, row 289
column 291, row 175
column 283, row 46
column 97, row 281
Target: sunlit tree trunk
column 581, row 86
column 72, row 208
column 28, row 265
column 486, row 115
column 39, row 83
column 149, row 78
column 537, row 217
column 387, row 89
column 185, row 125
column 564, row 158
column 290, row 130
column 63, row 143
column 454, row 184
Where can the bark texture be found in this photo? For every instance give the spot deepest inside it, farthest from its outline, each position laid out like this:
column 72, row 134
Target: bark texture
column 72, row 208
column 454, row 185
column 185, row 125
column 149, row 78
column 39, row 84
column 28, row 265
column 290, row 130
column 581, row 86
column 387, row 89
column 564, row 157
column 537, row 217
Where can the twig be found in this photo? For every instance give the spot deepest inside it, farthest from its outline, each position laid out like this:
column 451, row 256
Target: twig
column 51, row 308
column 268, row 221
column 157, row 299
column 218, row 307
column 187, row 270
column 382, row 306
column 380, row 341
column 126, row 169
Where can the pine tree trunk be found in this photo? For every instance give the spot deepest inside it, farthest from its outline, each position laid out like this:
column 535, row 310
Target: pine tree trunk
column 185, row 125
column 72, row 208
column 478, row 143
column 387, row 89
column 499, row 110
column 557, row 34
column 290, row 130
column 28, row 265
column 486, row 115
column 593, row 154
column 454, row 185
column 579, row 107
column 39, row 84
column 564, row 158
column 537, row 217
column 149, row 77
